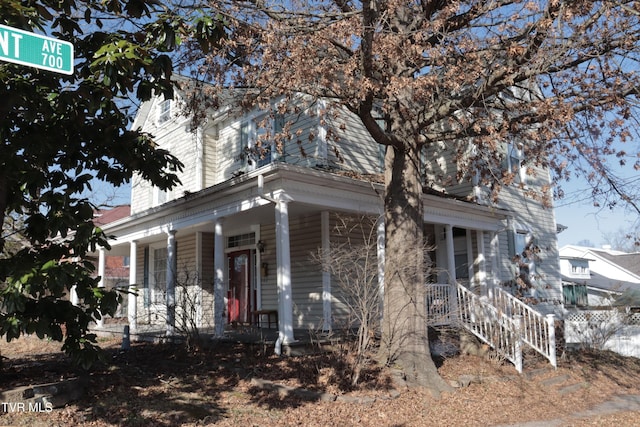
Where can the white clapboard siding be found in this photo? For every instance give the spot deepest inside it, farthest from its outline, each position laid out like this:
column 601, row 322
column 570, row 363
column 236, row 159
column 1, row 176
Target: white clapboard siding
column 306, row 275
column 350, row 146
column 269, row 290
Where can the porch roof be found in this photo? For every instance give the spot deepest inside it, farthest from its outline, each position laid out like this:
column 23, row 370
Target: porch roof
column 239, row 200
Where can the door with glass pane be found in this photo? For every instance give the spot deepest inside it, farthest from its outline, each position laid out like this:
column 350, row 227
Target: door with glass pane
column 239, row 294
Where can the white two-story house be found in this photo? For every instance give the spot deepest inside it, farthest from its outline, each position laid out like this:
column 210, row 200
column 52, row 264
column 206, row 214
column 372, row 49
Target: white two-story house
column 242, row 225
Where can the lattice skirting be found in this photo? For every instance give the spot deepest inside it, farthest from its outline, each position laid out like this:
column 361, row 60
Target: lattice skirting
column 599, row 316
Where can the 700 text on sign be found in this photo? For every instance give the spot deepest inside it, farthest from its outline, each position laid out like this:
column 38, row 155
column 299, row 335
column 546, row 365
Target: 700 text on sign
column 25, row 48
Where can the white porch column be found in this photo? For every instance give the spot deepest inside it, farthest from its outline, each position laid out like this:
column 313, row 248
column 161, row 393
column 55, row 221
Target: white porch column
column 198, row 283
column 470, row 259
column 101, row 269
column 218, row 283
column 482, row 267
column 495, row 250
column 283, row 258
column 171, row 282
column 380, row 252
column 326, row 276
column 451, row 255
column 132, row 297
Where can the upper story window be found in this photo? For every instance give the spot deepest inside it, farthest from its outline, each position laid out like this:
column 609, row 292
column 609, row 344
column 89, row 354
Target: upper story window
column 580, row 268
column 524, row 256
column 515, row 161
column 257, row 140
column 159, row 196
column 164, row 111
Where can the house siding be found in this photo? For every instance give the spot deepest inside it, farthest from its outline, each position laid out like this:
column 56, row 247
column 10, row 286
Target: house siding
column 349, row 145
column 268, row 285
column 305, row 146
column 306, row 275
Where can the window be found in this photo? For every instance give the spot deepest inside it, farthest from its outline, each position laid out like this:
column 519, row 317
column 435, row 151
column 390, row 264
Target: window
column 461, row 257
column 164, row 111
column 159, row 289
column 159, row 196
column 575, row 295
column 248, row 239
column 259, row 130
column 524, row 253
column 515, row 161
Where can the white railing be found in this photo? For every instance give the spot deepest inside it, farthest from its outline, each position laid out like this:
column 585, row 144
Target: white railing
column 537, row 330
column 440, row 305
column 503, row 322
column 490, row 325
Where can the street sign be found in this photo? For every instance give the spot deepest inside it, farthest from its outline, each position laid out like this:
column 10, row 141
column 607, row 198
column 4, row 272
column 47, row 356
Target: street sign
column 35, row 50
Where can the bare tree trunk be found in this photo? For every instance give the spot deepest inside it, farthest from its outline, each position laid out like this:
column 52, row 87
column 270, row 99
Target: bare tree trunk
column 404, row 332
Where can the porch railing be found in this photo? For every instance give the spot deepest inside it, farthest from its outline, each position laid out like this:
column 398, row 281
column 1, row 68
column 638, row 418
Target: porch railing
column 440, row 305
column 537, row 330
column 490, row 325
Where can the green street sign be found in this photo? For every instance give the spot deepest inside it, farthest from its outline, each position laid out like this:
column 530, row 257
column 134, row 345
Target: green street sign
column 24, row 48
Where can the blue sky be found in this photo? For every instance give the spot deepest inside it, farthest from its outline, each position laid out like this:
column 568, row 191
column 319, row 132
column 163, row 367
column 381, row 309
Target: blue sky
column 587, row 222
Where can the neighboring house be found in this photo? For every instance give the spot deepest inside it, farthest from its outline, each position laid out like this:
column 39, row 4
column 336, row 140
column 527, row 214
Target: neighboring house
column 595, row 277
column 112, row 268
column 240, row 228
column 602, row 296
column 116, row 267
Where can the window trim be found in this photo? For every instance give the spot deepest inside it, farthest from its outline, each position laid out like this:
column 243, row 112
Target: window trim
column 250, row 133
column 164, row 111
column 153, row 283
column 515, row 160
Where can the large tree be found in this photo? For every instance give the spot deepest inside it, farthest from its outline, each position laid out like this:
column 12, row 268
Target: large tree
column 59, row 133
column 559, row 77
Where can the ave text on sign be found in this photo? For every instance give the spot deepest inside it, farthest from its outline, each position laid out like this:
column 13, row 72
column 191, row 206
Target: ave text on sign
column 25, row 48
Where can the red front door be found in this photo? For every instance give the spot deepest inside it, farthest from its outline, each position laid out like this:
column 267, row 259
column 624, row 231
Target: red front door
column 239, row 296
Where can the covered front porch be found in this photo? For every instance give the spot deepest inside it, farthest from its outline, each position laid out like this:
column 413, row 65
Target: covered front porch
column 238, row 253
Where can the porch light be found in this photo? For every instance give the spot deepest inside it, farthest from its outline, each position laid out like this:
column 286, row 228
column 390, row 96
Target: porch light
column 260, row 246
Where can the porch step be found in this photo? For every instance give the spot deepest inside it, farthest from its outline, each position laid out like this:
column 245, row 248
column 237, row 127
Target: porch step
column 559, row 383
column 559, row 379
column 572, row 388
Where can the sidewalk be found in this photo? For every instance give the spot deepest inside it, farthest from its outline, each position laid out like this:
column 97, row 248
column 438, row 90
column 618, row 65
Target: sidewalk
column 618, row 404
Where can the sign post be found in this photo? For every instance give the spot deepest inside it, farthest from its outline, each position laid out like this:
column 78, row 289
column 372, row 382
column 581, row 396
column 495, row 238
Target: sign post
column 25, row 48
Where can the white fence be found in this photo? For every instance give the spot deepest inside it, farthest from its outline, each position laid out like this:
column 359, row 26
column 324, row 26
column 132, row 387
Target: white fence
column 604, row 329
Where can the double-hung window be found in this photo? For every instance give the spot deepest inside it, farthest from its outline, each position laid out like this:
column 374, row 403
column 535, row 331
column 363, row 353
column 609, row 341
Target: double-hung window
column 523, row 250
column 164, row 111
column 159, row 285
column 515, row 161
column 257, row 140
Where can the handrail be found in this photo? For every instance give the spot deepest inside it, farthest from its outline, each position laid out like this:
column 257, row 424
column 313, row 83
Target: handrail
column 537, row 330
column 490, row 325
column 501, row 321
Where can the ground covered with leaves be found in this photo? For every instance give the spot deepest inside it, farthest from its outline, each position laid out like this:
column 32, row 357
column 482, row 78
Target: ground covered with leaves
column 224, row 384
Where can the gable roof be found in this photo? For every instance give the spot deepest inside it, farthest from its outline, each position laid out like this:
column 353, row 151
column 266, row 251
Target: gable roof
column 630, row 262
column 612, row 260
